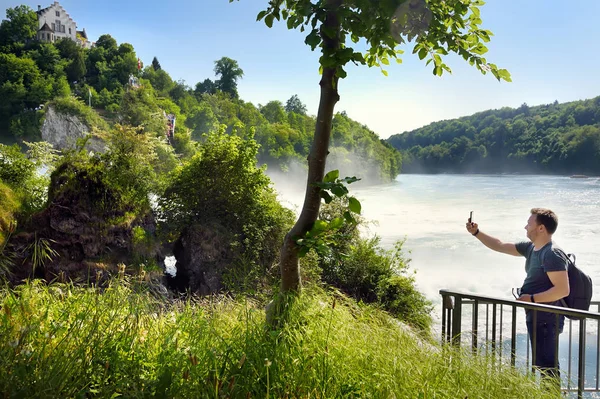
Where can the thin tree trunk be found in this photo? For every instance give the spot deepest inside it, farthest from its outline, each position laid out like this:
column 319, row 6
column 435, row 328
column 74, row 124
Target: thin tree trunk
column 290, row 270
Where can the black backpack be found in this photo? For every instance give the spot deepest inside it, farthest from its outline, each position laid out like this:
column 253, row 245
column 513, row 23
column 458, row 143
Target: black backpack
column 580, row 294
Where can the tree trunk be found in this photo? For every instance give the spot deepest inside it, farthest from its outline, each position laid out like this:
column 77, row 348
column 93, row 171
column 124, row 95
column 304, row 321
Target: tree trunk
column 290, row 270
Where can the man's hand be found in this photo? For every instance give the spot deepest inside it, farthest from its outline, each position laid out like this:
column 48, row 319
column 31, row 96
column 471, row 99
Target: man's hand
column 472, row 227
column 524, row 298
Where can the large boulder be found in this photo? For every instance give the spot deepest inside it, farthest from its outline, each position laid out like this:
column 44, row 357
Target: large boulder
column 83, row 227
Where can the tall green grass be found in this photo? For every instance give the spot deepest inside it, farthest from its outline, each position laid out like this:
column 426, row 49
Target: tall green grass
column 63, row 341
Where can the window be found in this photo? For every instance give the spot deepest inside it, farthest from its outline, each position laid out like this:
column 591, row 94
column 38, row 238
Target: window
column 69, row 31
column 58, row 13
column 53, row 26
column 63, row 28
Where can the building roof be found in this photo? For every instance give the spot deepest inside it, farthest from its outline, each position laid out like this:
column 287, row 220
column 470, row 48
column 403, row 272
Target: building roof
column 42, row 11
column 82, row 33
column 46, row 28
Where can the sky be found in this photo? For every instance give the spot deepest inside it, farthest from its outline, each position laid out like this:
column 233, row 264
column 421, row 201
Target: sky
column 550, row 47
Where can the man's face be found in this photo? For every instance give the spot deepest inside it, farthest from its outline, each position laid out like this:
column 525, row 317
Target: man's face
column 532, row 227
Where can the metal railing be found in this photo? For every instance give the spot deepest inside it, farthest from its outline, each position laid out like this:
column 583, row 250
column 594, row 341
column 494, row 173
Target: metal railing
column 495, row 336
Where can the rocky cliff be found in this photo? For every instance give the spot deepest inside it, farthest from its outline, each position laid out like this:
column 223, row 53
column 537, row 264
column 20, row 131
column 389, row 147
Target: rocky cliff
column 63, row 130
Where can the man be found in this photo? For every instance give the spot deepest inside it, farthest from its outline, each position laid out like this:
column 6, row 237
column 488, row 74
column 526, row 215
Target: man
column 547, row 281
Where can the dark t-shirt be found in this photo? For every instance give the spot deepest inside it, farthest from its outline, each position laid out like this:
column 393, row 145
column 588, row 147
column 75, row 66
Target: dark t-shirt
column 537, row 265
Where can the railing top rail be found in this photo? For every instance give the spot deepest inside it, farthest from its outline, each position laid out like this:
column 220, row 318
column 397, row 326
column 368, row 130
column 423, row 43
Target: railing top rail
column 526, row 305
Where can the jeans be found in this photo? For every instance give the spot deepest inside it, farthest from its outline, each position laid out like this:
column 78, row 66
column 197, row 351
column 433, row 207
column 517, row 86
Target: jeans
column 547, row 332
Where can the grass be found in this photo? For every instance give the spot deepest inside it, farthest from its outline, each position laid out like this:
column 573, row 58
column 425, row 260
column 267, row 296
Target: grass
column 63, row 341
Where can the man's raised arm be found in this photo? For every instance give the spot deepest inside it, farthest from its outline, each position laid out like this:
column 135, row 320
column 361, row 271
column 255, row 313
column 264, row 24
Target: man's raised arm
column 492, row 242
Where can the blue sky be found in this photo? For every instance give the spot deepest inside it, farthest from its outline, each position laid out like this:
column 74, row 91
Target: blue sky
column 549, row 46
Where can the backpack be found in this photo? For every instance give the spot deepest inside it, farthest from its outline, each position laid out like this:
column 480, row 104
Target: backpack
column 580, row 284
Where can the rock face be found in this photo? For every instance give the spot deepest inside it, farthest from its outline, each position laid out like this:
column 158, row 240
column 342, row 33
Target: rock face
column 90, row 240
column 203, row 254
column 63, row 130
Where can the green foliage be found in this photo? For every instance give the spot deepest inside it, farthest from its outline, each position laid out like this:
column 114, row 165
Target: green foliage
column 118, row 181
column 22, row 173
column 129, row 163
column 159, row 79
column 9, row 207
column 553, row 138
column 123, row 341
column 201, row 121
column 15, row 168
column 435, row 27
column 274, row 112
column 40, row 72
column 19, row 27
column 222, row 184
column 294, row 104
column 155, row 64
column 229, row 72
column 327, row 232
column 144, row 244
column 41, row 252
column 366, row 272
column 207, row 86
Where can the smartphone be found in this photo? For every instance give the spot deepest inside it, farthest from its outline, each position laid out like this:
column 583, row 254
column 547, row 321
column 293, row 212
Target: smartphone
column 471, row 217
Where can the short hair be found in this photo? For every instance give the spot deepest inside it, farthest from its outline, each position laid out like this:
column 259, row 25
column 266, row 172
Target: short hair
column 547, row 218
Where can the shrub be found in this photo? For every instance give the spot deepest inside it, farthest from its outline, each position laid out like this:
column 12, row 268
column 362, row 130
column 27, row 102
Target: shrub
column 361, row 268
column 18, row 171
column 222, row 184
column 9, row 206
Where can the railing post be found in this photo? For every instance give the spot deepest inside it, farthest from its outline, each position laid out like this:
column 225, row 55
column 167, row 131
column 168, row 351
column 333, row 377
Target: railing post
column 475, row 325
column 494, row 328
column 456, row 320
column 513, row 337
column 447, row 306
column 581, row 372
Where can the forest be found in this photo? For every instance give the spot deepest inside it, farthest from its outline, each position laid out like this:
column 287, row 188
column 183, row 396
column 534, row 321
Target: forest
column 546, row 139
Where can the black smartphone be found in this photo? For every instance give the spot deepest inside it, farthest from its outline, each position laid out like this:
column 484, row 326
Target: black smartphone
column 471, row 217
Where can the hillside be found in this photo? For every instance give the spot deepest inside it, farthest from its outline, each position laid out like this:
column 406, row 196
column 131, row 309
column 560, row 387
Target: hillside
column 553, row 138
column 110, row 80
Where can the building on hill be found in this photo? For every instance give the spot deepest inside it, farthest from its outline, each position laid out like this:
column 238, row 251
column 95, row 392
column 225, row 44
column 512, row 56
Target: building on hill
column 55, row 23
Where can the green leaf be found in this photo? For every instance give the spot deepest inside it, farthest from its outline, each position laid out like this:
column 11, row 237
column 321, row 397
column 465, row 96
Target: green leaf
column 269, row 20
column 422, row 53
column 339, row 191
column 480, row 49
column 349, row 218
column 319, row 226
column 261, row 15
column 354, row 205
column 350, row 180
column 313, row 39
column 385, row 61
column 384, row 72
column 326, row 196
column 331, row 176
column 336, row 223
column 504, row 74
